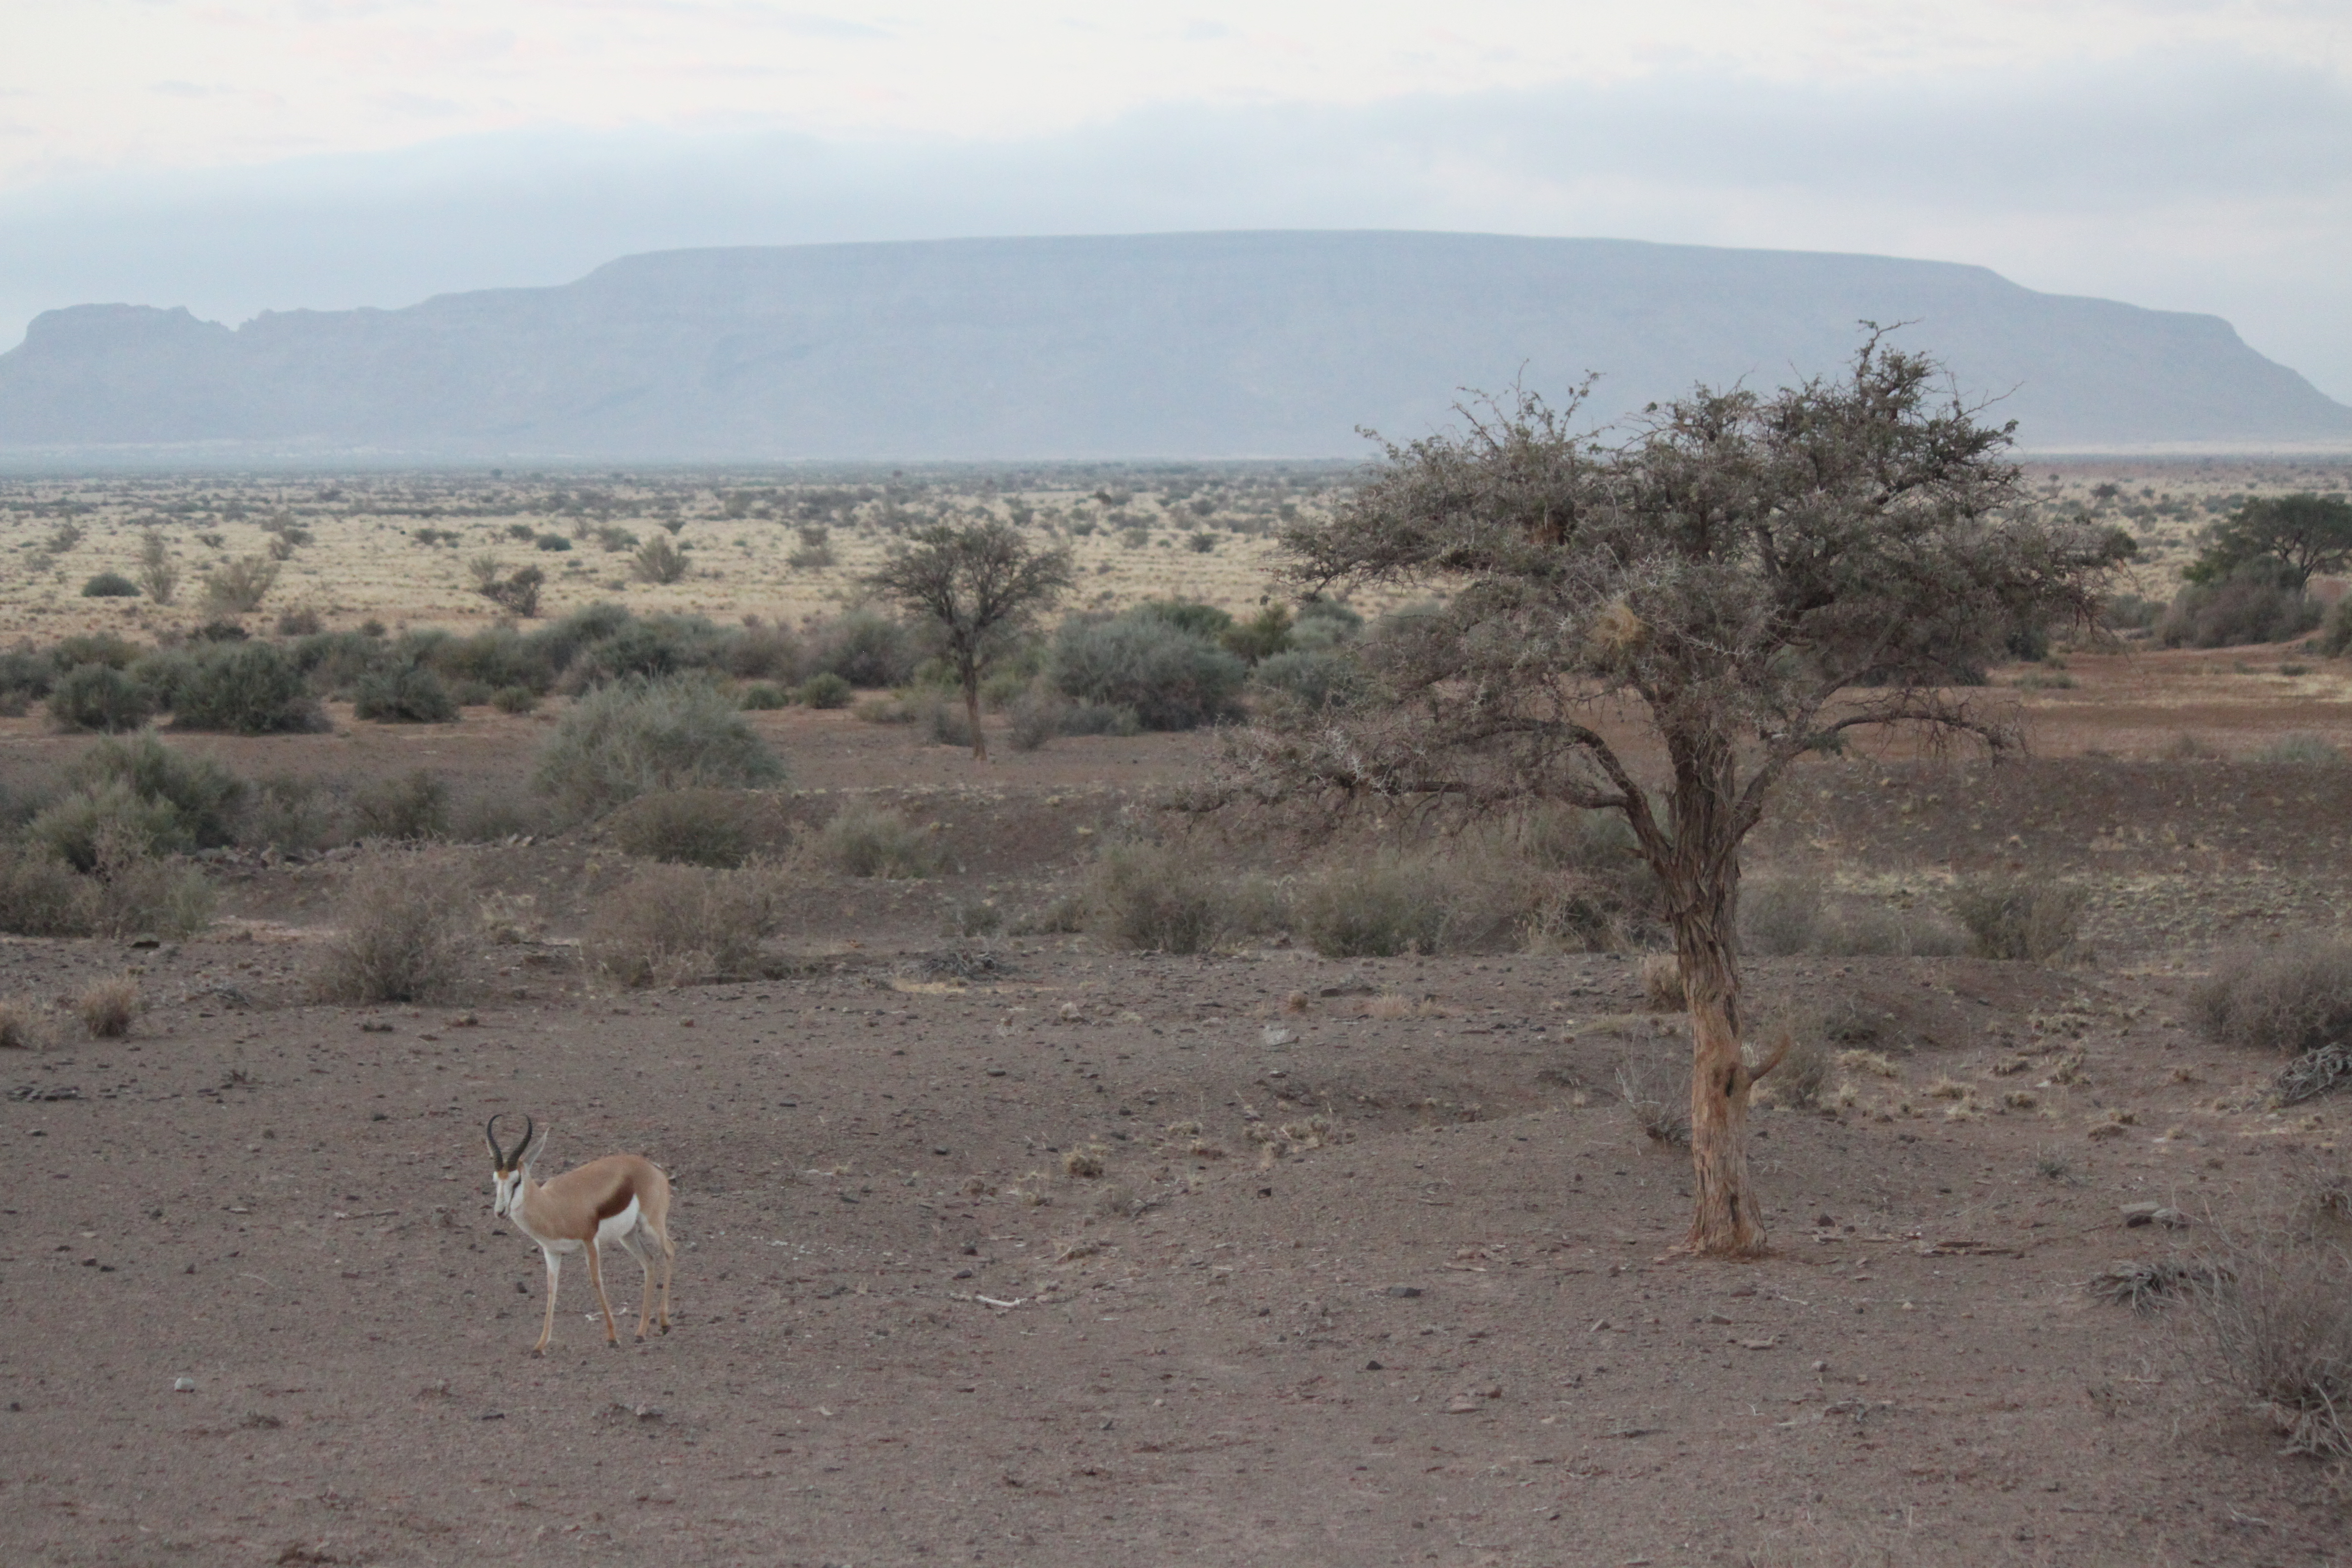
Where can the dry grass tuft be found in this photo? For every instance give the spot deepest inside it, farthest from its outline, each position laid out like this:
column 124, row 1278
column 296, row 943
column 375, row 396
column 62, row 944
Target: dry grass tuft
column 2275, row 1321
column 1084, row 1162
column 1948, row 1088
column 21, row 1027
column 1662, row 982
column 1874, row 1063
column 680, row 925
column 107, row 1007
column 1657, row 1105
column 2290, row 1000
column 403, row 924
column 1804, row 1073
column 2020, row 919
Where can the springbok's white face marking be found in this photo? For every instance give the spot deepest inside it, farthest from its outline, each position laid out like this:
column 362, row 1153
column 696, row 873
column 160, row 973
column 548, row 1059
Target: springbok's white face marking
column 504, row 1187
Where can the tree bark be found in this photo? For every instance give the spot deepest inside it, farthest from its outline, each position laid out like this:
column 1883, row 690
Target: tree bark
column 971, row 711
column 1725, row 1220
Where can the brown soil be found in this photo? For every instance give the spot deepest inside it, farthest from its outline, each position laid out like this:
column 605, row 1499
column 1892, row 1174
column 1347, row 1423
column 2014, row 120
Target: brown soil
column 1445, row 1324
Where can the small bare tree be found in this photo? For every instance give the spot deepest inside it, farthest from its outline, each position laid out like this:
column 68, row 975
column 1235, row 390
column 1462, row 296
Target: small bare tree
column 1742, row 581
column 158, row 574
column 982, row 581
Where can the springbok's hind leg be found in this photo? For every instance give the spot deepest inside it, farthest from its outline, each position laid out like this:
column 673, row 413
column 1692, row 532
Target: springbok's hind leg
column 596, row 1277
column 634, row 1245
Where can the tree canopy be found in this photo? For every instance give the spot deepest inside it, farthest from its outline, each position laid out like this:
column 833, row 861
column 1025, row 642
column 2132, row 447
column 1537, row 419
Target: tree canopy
column 980, row 580
column 1695, row 603
column 2297, row 537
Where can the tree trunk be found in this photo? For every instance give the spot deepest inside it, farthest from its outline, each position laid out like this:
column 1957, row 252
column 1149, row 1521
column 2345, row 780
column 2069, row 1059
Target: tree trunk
column 971, row 711
column 1724, row 1219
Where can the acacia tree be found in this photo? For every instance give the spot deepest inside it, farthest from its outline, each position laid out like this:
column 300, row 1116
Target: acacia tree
column 2299, row 535
column 1726, row 579
column 982, row 581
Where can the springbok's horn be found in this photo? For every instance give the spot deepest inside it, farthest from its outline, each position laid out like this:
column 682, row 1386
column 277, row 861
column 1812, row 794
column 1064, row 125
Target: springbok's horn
column 528, row 1127
column 490, row 1136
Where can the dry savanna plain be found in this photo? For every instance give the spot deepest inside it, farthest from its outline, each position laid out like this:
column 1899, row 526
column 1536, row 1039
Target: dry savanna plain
column 1002, row 1242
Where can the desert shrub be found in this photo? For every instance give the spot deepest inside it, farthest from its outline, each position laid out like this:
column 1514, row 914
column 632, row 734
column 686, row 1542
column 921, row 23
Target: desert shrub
column 497, row 656
column 303, row 622
column 675, row 925
column 1035, row 718
column 2022, row 918
column 107, row 1007
column 25, row 677
column 404, row 692
column 2272, row 1313
column 560, row 642
column 864, row 647
column 1170, row 678
column 1186, row 615
column 623, row 739
column 237, row 587
column 764, row 651
column 1261, row 636
column 412, row 807
column 1378, row 905
column 2255, row 604
column 203, row 793
column 718, row 827
column 659, row 559
column 945, row 723
column 41, row 895
column 1325, row 624
column 95, row 647
column 109, row 586
column 2336, row 639
column 514, row 700
column 1785, row 917
column 1310, row 677
column 288, row 813
column 335, row 662
column 862, row 840
column 1803, row 1072
column 649, row 648
column 2298, row 749
column 763, row 696
column 1656, row 1098
column 100, row 697
column 1661, row 975
column 1100, row 719
column 22, row 1028
column 825, row 690
column 246, row 689
column 516, row 592
column 2288, row 1000
column 112, row 817
column 402, row 924
column 1154, row 897
column 139, row 895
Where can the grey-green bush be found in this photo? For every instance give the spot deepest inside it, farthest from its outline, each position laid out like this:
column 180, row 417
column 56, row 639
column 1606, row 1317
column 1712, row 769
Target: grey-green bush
column 1171, row 678
column 1379, row 906
column 716, row 827
column 109, row 586
column 243, row 688
column 621, row 741
column 826, row 690
column 1149, row 898
column 89, row 824
column 404, row 692
column 204, row 794
column 100, row 697
column 406, row 809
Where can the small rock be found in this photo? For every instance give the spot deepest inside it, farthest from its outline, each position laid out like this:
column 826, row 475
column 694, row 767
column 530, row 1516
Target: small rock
column 1276, row 1035
column 183, row 1385
column 2138, row 1214
column 1462, row 1404
column 1404, row 1291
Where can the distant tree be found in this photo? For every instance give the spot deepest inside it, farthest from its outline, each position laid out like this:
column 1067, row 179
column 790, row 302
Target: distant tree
column 2297, row 537
column 1728, row 576
column 982, row 581
column 157, row 573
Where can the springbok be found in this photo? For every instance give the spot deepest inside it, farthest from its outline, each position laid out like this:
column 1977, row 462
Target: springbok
column 622, row 1198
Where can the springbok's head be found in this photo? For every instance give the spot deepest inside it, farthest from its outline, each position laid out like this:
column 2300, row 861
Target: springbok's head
column 506, row 1166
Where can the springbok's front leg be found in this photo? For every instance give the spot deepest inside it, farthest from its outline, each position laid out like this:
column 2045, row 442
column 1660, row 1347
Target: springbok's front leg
column 554, row 1276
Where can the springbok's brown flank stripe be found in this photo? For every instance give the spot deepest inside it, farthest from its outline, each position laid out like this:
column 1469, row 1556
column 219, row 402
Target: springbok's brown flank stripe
column 620, row 1199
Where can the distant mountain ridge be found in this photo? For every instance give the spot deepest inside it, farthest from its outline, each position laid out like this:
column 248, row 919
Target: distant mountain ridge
column 1183, row 346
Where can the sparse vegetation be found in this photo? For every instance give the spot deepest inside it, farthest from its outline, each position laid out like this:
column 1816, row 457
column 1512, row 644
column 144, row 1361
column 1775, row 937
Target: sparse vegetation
column 2273, row 1315
column 716, row 827
column 623, row 739
column 2028, row 919
column 237, row 587
column 862, row 840
column 2287, row 1000
column 678, row 925
column 402, row 923
column 108, row 1008
column 659, row 560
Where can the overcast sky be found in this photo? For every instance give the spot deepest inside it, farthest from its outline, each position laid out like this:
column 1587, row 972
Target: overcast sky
column 236, row 155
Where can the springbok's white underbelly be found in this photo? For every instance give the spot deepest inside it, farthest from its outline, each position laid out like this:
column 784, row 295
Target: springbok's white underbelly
column 610, row 1231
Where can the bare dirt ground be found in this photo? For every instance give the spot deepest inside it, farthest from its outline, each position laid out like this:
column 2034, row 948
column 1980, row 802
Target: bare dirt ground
column 1384, row 1274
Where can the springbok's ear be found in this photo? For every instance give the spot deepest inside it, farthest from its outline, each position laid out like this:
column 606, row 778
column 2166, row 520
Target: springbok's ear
column 536, row 1147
